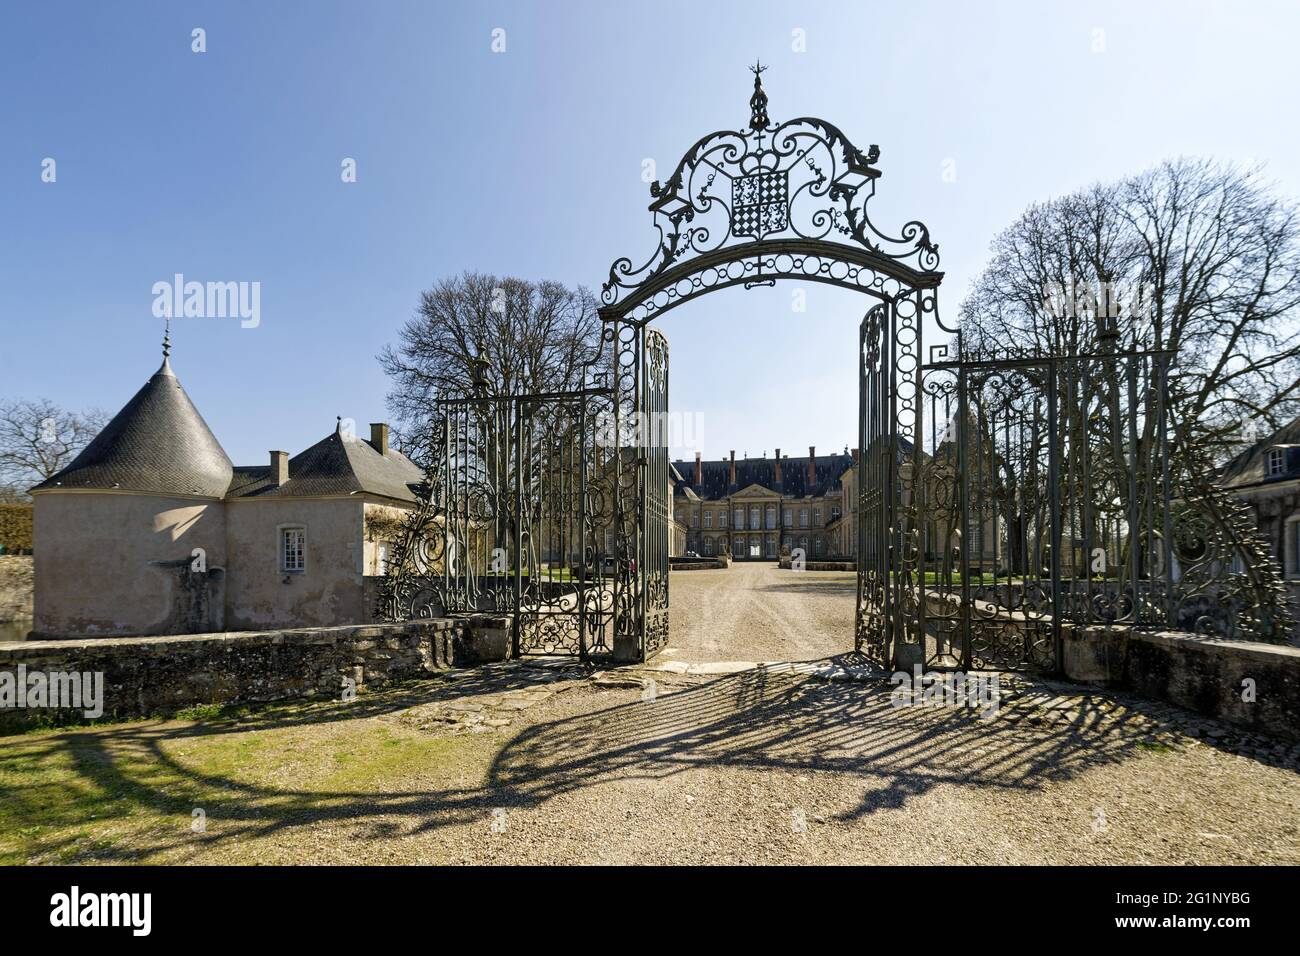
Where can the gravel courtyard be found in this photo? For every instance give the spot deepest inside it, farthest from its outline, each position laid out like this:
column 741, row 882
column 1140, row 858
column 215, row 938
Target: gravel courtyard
column 758, row 612
column 680, row 761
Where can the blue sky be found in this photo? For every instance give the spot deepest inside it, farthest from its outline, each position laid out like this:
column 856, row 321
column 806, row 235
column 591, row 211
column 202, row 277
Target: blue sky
column 225, row 166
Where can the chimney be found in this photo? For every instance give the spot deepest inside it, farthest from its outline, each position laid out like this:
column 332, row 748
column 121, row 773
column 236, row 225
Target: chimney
column 777, row 476
column 855, row 455
column 279, row 467
column 732, row 479
column 379, row 437
column 812, row 467
column 699, row 471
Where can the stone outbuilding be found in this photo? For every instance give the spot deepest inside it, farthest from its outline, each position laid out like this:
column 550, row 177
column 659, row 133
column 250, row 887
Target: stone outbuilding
column 152, row 530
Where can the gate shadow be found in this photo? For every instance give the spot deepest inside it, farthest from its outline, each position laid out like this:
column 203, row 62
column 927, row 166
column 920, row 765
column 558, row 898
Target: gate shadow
column 766, row 720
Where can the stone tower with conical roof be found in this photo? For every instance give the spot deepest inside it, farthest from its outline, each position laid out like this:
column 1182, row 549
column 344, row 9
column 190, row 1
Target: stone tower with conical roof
column 130, row 538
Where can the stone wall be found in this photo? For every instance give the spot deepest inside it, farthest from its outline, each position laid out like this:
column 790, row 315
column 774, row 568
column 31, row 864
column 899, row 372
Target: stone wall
column 15, row 587
column 157, row 675
column 835, row 565
column 1249, row 684
column 698, row 564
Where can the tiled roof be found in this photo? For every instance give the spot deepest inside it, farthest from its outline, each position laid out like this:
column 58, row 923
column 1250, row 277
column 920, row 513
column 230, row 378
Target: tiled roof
column 762, row 471
column 338, row 464
column 158, row 443
column 1250, row 466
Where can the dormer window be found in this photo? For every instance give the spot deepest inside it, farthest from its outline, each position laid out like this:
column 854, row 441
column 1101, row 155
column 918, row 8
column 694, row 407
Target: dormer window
column 1276, row 462
column 293, row 549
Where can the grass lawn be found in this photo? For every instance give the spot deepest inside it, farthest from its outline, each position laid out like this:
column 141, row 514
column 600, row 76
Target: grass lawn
column 127, row 792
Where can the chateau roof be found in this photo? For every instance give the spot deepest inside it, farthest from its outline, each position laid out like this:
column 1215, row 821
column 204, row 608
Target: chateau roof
column 762, row 471
column 338, row 464
column 158, row 444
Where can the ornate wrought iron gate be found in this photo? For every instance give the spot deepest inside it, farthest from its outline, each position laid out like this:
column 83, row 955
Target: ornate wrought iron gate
column 512, row 520
column 744, row 207
column 1040, row 494
column 773, row 201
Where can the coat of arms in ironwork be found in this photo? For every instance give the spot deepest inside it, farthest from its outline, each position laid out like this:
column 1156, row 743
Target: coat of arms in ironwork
column 760, row 203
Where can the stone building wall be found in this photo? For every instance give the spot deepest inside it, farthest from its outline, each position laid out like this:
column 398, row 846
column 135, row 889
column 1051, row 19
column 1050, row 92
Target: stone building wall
column 327, row 592
column 121, row 563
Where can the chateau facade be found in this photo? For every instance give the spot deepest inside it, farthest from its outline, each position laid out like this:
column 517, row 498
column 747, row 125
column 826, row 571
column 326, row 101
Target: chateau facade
column 758, row 509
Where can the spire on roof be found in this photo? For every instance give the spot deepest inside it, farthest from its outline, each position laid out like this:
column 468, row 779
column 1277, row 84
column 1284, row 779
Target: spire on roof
column 166, row 367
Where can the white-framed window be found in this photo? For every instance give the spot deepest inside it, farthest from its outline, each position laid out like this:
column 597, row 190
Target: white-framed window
column 722, row 518
column 821, row 546
column 708, row 547
column 754, row 520
column 787, row 518
column 771, row 546
column 695, row 519
column 708, row 519
column 293, row 549
column 817, row 517
column 1276, row 462
column 1291, row 546
column 740, row 518
column 803, row 517
column 771, row 516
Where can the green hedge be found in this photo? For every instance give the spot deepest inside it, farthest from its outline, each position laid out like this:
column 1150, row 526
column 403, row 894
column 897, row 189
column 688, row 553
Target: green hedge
column 15, row 529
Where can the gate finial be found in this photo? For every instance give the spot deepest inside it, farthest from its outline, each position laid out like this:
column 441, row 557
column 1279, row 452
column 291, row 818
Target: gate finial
column 758, row 102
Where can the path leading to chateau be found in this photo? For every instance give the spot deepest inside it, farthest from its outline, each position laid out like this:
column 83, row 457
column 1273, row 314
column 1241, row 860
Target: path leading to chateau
column 758, row 612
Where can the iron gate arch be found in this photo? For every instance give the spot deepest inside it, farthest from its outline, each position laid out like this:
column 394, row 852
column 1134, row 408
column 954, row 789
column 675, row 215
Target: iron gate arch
column 768, row 202
column 749, row 207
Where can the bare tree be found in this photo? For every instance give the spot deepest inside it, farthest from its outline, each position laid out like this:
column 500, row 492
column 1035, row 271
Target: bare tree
column 1193, row 256
column 483, row 334
column 533, row 337
column 38, row 439
column 1196, row 258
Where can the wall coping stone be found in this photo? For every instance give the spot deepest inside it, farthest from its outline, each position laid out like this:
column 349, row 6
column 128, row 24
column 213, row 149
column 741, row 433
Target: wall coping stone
column 21, row 650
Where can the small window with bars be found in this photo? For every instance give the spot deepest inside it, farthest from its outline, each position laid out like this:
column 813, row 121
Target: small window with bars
column 293, row 549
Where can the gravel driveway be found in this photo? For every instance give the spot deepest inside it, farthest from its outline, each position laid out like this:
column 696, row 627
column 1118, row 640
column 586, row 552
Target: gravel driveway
column 758, row 612
column 526, row 764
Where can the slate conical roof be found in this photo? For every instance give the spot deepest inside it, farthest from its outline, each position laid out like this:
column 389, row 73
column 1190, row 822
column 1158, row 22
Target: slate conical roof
column 158, row 443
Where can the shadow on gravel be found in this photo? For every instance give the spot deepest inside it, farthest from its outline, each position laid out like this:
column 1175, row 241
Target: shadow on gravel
column 769, row 719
